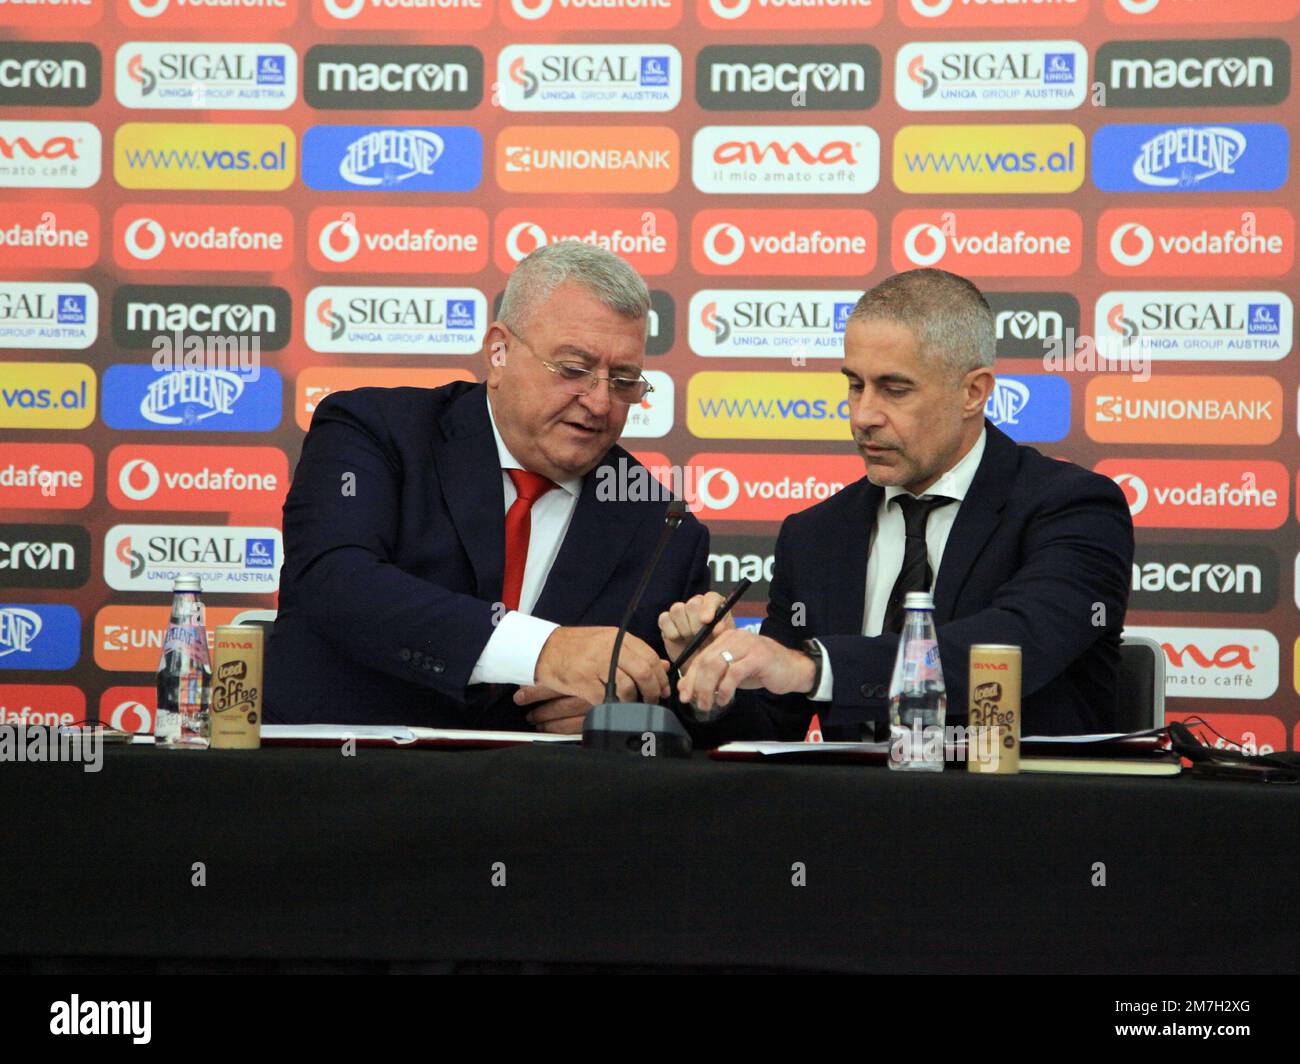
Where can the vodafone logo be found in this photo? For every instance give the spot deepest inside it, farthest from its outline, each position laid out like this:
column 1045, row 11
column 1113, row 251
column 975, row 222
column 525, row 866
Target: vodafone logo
column 339, row 241
column 1190, row 493
column 397, row 239
column 645, row 238
column 1119, row 244
column 1135, row 491
column 724, row 244
column 931, row 8
column 532, row 11
column 145, row 9
column 992, row 242
column 921, row 236
column 211, row 479
column 145, row 239
column 345, row 9
column 777, row 242
column 734, row 9
column 176, row 236
column 766, row 487
column 1134, row 7
column 138, row 480
column 130, row 716
column 523, row 239
column 721, row 498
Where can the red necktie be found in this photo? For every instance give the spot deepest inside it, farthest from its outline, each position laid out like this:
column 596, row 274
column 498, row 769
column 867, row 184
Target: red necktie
column 519, row 523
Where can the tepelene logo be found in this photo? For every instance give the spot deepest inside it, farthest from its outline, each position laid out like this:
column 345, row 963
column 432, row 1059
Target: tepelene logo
column 392, row 159
column 207, row 400
column 206, row 75
column 589, row 77
column 37, row 636
column 1251, row 156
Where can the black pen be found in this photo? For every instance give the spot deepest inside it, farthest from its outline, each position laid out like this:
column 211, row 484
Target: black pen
column 676, row 667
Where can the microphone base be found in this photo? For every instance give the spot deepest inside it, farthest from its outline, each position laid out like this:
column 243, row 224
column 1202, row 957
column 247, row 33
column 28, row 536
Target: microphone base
column 636, row 728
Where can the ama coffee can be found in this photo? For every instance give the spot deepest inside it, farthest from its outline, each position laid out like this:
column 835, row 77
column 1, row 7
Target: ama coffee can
column 993, row 739
column 236, row 706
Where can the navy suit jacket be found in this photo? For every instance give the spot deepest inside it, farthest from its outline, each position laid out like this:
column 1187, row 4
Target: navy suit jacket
column 1039, row 556
column 387, row 593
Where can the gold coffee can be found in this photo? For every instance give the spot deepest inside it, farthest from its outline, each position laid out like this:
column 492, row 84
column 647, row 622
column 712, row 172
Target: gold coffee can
column 993, row 734
column 236, row 705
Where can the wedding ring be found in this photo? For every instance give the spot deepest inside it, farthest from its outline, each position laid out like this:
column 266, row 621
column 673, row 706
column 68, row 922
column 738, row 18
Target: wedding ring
column 726, row 656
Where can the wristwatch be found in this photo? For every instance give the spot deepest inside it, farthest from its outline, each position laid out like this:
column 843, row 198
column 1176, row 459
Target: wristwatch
column 814, row 650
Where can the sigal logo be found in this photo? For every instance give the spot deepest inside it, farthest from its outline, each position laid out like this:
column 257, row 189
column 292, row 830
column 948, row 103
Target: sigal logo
column 1032, row 408
column 792, row 243
column 1237, row 326
column 173, row 236
column 1045, row 242
column 317, row 382
column 140, row 397
column 775, row 323
column 130, row 638
column 1191, row 493
column 227, row 559
column 45, row 556
column 645, row 237
column 42, row 314
column 38, row 705
column 395, row 320
column 208, row 75
column 49, row 154
column 52, row 15
column 48, row 74
column 803, row 405
column 397, row 239
column 1215, row 73
column 589, row 77
column 211, row 479
column 229, row 157
column 1217, row 662
column 163, row 14
column 991, row 75
column 38, row 636
column 64, row 236
column 1026, row 322
column 1219, row 578
column 1251, row 156
column 129, row 709
column 414, row 77
column 1199, row 11
column 392, row 159
column 578, row 159
column 1194, row 410
column 1196, row 242
column 590, row 15
column 764, row 487
column 1022, row 14
column 451, row 15
column 825, row 77
column 799, row 15
column 786, row 160
column 46, row 476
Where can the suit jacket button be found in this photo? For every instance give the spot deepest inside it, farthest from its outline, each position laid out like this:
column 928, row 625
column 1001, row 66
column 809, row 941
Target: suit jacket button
column 865, row 690
column 440, row 666
column 405, row 653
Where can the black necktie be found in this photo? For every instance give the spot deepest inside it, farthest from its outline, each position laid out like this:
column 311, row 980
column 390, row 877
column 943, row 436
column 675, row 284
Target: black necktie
column 916, row 574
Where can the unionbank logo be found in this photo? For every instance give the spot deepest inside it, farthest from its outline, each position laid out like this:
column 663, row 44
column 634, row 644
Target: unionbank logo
column 186, row 75
column 228, row 560
column 589, row 77
column 972, row 159
column 48, row 74
column 1246, row 72
column 46, row 476
column 318, row 382
column 813, row 77
column 1251, row 156
column 646, row 238
column 395, row 321
column 214, row 155
column 989, row 243
column 392, row 159
column 575, row 159
column 211, row 479
column 49, row 154
column 764, row 487
column 174, row 236
column 46, row 556
column 63, row 236
column 1196, row 242
column 52, row 14
column 1194, row 410
column 164, row 14
column 786, row 160
column 590, row 15
column 41, row 704
column 1191, row 493
column 793, row 243
column 991, row 75
column 36, row 636
column 450, row 15
column 207, row 400
column 48, row 314
column 46, row 395
column 144, row 313
column 414, row 77
column 1216, row 578
column 803, row 405
column 1030, row 409
column 1217, row 662
column 798, row 15
column 1022, row 14
column 1183, row 12
column 130, row 638
column 356, row 239
column 1237, row 326
column 775, row 323
column 1026, row 323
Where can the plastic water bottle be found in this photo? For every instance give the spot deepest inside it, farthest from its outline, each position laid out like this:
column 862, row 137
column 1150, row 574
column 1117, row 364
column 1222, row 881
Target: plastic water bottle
column 918, row 703
column 184, row 672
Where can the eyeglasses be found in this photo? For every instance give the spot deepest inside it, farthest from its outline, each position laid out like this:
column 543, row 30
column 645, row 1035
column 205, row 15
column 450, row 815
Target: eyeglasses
column 577, row 379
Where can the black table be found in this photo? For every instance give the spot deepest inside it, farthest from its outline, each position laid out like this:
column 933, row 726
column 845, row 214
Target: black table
column 389, row 856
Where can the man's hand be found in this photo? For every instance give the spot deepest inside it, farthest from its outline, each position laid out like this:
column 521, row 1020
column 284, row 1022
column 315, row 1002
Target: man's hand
column 551, row 712
column 575, row 661
column 679, row 623
column 756, row 661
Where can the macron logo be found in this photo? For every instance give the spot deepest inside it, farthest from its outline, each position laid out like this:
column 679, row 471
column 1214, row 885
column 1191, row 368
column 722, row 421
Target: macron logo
column 102, row 1017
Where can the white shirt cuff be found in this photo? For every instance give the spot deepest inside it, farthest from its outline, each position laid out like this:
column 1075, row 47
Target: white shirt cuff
column 512, row 651
column 823, row 692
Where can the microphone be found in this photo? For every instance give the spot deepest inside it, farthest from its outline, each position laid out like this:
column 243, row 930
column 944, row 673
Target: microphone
column 615, row 725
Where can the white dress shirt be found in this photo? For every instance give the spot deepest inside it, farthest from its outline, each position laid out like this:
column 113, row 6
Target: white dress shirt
column 885, row 547
column 511, row 653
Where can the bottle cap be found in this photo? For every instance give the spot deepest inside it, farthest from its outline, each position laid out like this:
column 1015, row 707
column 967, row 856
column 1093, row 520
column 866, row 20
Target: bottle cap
column 918, row 600
column 187, row 582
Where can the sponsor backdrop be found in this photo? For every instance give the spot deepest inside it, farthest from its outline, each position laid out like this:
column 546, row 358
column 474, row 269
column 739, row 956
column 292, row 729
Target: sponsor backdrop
column 215, row 212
